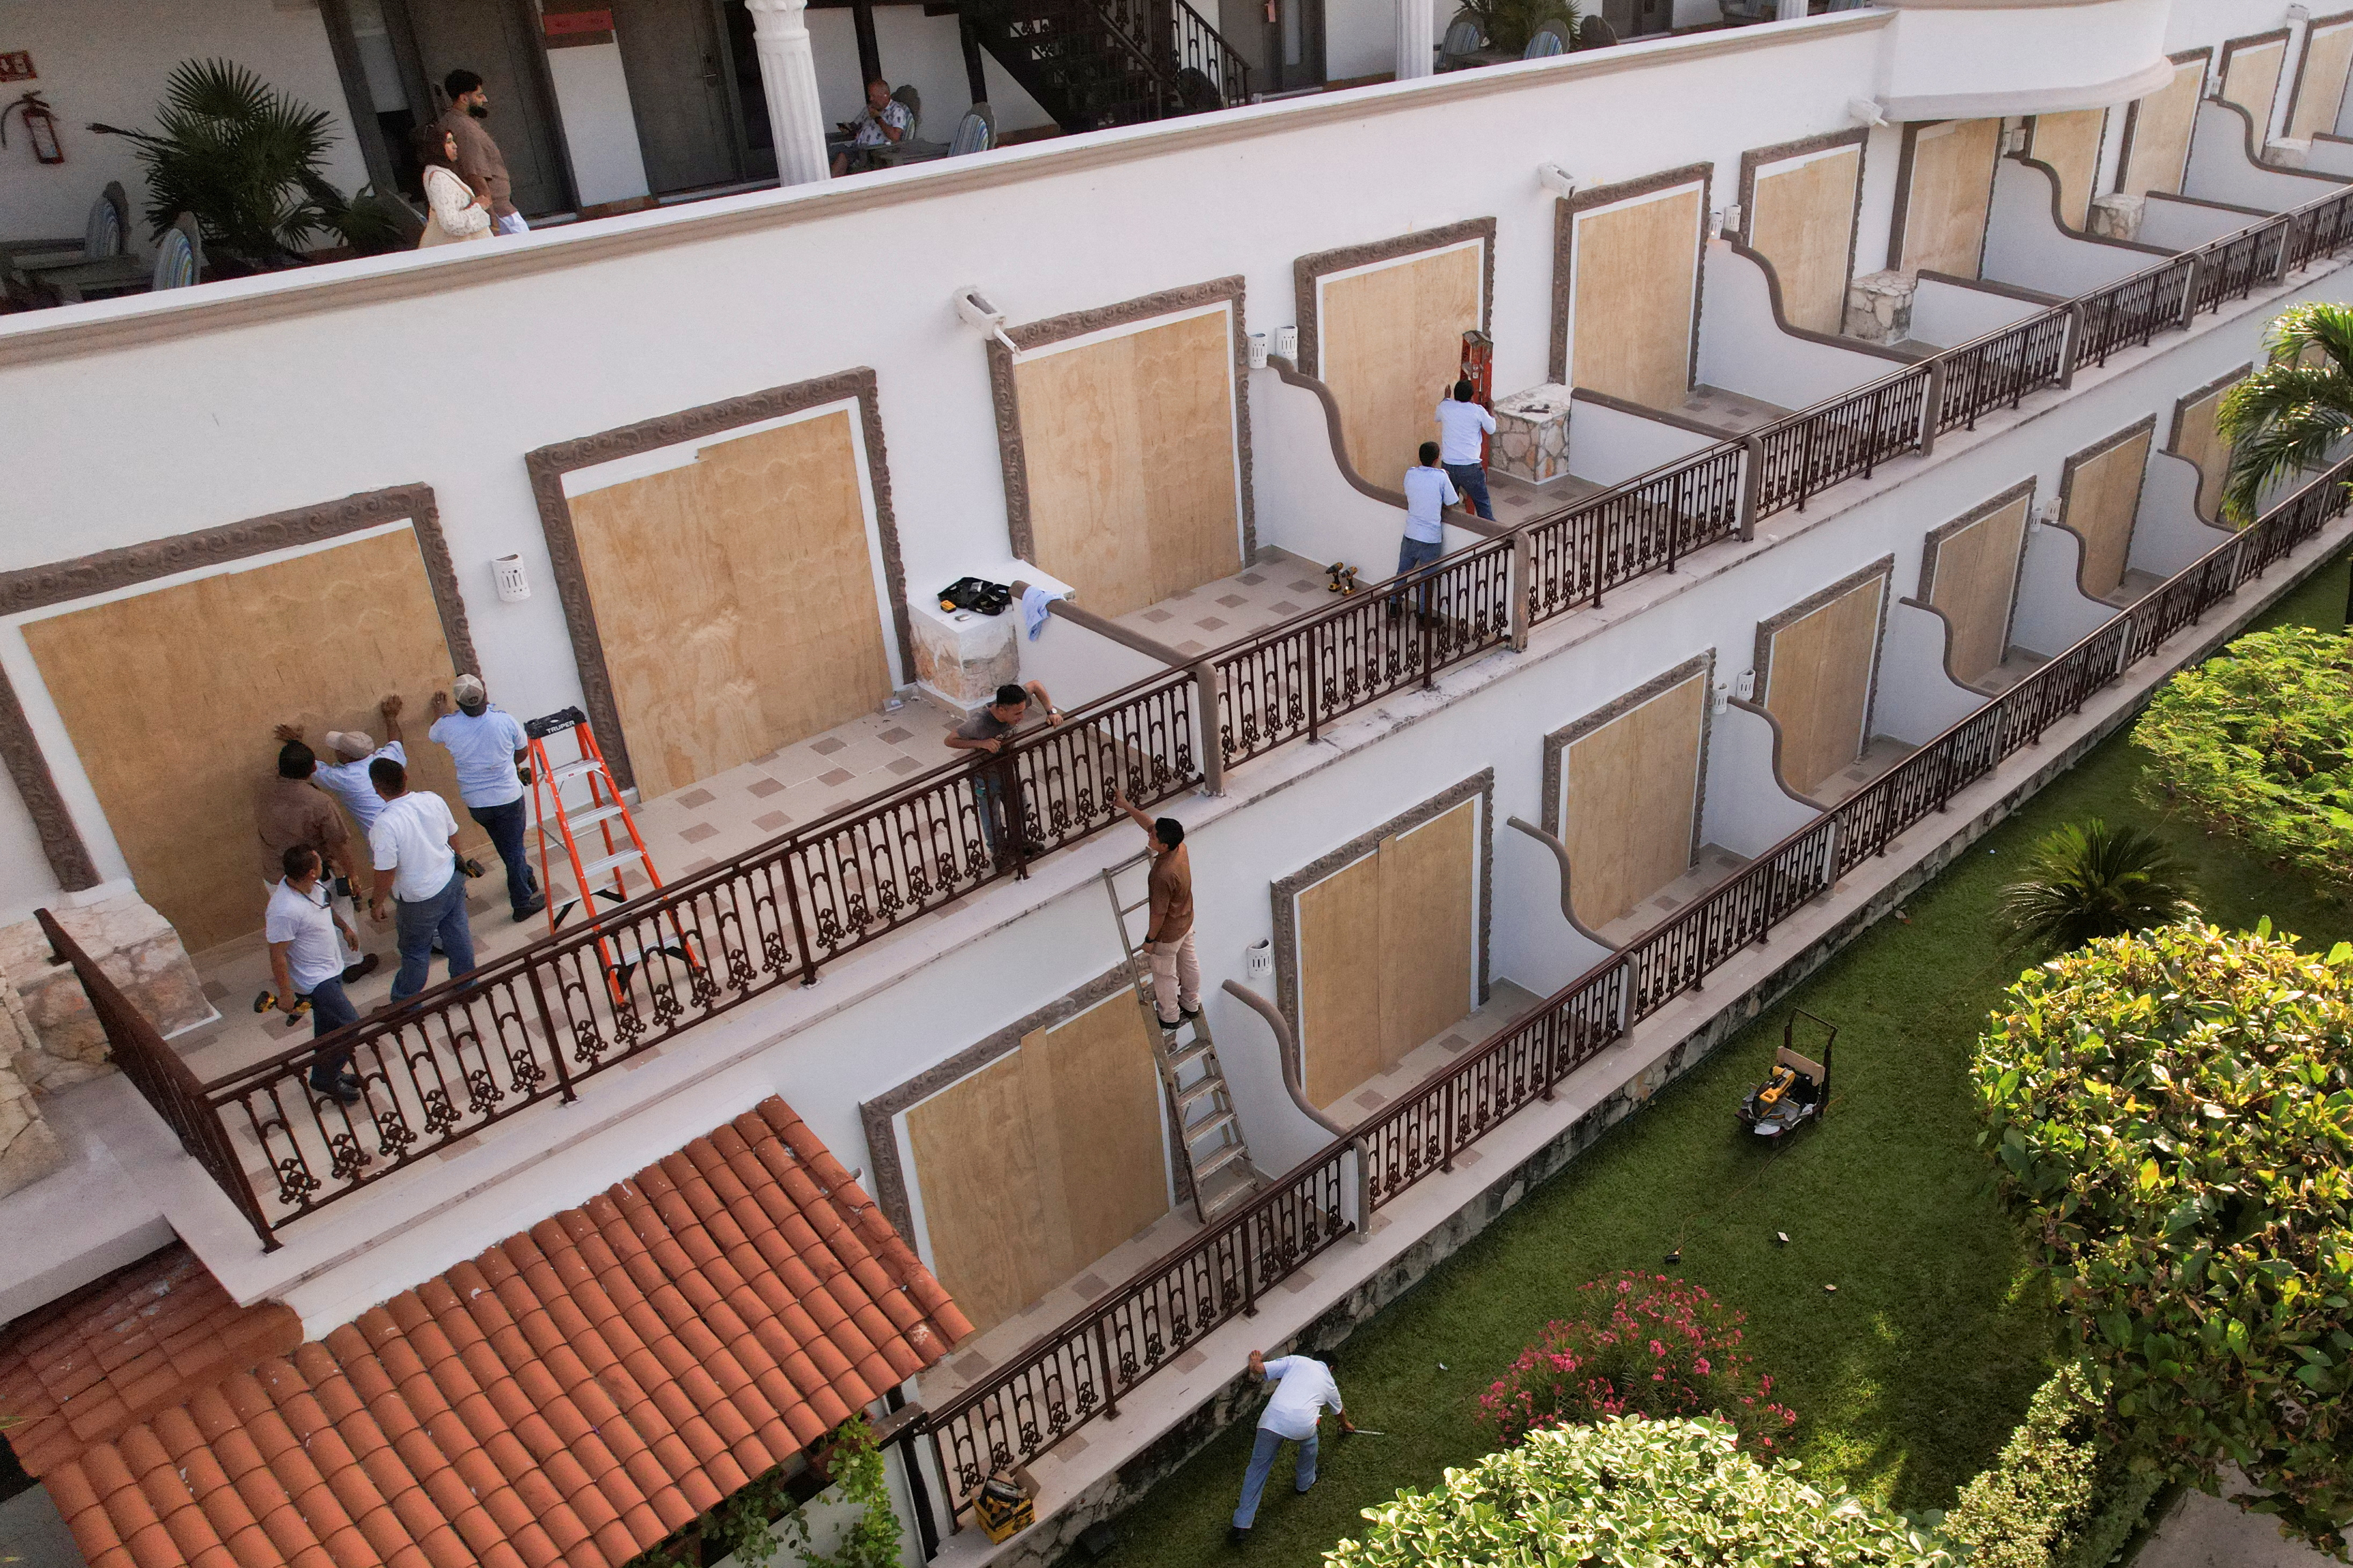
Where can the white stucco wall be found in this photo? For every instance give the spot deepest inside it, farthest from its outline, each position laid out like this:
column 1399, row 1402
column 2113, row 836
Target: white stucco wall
column 106, row 60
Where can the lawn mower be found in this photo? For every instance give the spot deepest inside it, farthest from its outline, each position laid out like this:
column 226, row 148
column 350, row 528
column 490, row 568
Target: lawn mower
column 1798, row 1090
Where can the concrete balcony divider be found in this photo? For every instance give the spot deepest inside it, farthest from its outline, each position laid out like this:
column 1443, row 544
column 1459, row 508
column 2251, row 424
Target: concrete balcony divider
column 2226, row 164
column 2168, row 534
column 2025, row 245
column 1950, row 311
column 1745, row 346
column 2184, row 222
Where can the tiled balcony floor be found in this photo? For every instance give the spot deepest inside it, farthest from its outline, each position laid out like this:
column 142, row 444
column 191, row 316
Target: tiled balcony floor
column 977, row 1357
column 1731, row 413
column 1279, row 587
column 1715, row 865
column 686, row 831
column 1884, row 753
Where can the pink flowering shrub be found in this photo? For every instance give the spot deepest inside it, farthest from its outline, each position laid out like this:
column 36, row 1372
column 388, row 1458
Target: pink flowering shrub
column 1641, row 1344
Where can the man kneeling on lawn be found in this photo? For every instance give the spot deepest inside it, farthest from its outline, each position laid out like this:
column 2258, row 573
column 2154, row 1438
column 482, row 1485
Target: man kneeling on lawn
column 1303, row 1390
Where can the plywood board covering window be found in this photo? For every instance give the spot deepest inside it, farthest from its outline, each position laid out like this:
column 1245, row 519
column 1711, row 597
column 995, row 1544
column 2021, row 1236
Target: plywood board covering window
column 1817, row 683
column 1042, row 1161
column 2158, row 153
column 1129, row 445
column 2194, row 437
column 1973, row 580
column 1634, row 273
column 2070, row 143
column 2101, row 496
column 735, row 598
column 1627, row 793
column 2320, row 86
column 1388, row 953
column 2250, row 79
column 1391, row 342
column 169, row 696
column 1803, row 221
column 1948, row 193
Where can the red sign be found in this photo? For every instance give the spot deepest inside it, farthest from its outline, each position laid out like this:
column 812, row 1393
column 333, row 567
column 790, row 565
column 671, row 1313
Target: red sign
column 561, row 24
column 17, row 65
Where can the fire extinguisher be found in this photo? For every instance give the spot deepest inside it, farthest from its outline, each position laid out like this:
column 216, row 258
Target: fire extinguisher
column 1479, row 369
column 40, row 128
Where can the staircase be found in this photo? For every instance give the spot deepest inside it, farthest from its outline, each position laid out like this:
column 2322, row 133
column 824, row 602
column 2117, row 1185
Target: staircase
column 1095, row 63
column 1215, row 1159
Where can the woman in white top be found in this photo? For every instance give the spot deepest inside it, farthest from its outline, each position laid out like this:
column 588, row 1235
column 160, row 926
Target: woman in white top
column 456, row 212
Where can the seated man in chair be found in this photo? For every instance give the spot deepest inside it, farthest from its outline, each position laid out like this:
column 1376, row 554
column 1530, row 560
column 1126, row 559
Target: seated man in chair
column 885, row 122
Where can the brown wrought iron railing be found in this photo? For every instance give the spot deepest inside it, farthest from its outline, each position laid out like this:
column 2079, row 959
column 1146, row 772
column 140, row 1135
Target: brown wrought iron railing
column 1082, row 1370
column 471, row 1052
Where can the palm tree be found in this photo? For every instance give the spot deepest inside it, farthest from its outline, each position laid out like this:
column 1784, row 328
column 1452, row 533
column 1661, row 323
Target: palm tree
column 2095, row 881
column 2292, row 412
column 244, row 158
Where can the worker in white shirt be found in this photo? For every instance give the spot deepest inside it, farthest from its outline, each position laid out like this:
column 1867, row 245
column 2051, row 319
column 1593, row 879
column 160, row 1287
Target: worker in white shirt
column 1463, row 427
column 1428, row 491
column 346, row 778
column 1303, row 1390
column 419, row 876
column 489, row 746
column 306, row 965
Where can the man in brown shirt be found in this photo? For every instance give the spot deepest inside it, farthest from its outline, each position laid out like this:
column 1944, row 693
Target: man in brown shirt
column 290, row 810
column 1175, row 970
column 480, row 162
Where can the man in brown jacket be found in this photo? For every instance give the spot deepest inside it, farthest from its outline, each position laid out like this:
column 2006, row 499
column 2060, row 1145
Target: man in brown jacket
column 480, row 162
column 290, row 809
column 1176, row 971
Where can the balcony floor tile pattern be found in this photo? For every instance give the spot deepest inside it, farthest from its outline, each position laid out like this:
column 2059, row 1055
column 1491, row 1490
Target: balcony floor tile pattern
column 572, row 1395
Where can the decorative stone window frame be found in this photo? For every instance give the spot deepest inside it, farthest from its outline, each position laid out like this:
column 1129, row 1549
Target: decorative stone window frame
column 1557, row 743
column 1005, row 398
column 1285, row 891
column 1308, row 272
column 882, row 1116
column 1934, row 542
column 2144, row 425
column 548, row 465
column 83, row 576
column 2132, row 114
column 1565, row 210
column 2181, row 405
column 1754, row 162
column 2303, row 57
column 1771, row 626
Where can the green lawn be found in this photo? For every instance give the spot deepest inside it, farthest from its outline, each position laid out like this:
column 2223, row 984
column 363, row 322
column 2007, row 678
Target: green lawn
column 1907, row 1379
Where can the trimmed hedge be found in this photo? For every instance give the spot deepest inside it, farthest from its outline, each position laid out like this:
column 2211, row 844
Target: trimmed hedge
column 2056, row 1498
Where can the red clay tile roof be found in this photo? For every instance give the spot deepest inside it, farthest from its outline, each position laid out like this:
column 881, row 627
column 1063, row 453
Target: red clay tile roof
column 84, row 1368
column 570, row 1396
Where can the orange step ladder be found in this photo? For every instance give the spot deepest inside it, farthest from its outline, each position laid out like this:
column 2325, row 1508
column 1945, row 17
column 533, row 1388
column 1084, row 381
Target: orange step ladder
column 622, row 853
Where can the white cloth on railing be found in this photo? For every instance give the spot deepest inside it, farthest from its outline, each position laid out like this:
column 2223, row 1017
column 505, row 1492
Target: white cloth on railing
column 1034, row 601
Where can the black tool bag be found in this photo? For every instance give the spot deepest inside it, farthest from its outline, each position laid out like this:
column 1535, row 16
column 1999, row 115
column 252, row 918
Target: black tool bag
column 978, row 595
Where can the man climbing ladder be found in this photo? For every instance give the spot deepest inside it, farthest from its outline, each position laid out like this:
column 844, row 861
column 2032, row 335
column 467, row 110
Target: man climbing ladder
column 1168, row 932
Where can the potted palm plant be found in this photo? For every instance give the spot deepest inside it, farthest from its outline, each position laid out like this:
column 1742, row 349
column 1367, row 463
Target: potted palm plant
column 245, row 159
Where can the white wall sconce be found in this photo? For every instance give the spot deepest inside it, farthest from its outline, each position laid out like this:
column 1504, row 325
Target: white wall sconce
column 1286, row 342
column 1866, row 109
column 514, row 585
column 1559, row 181
column 1744, row 686
column 1258, row 351
column 981, row 316
column 1259, row 958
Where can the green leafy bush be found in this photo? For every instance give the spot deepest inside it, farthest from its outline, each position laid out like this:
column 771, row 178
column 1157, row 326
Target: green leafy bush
column 1632, row 1491
column 757, row 1521
column 2057, row 1496
column 1641, row 1344
column 2091, row 881
column 2257, row 743
column 2172, row 1116
column 1509, row 24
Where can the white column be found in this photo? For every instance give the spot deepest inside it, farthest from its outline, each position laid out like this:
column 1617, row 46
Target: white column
column 788, row 74
column 1415, row 38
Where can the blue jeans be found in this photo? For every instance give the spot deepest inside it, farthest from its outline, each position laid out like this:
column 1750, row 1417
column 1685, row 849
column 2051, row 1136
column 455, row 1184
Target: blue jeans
column 1262, row 1461
column 1471, row 483
column 506, row 825
column 331, row 1009
column 1413, row 554
column 417, row 926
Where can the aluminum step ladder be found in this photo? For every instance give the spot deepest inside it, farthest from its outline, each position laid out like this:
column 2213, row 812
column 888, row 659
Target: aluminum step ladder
column 1202, row 1122
column 618, row 852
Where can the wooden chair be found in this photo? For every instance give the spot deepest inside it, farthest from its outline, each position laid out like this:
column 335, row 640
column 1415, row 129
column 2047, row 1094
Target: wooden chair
column 976, row 132
column 101, row 239
column 179, row 264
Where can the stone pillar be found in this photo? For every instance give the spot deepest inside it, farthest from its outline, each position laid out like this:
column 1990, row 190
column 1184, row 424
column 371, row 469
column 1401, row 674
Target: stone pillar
column 1416, row 38
column 2116, row 216
column 1879, row 306
column 788, row 73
